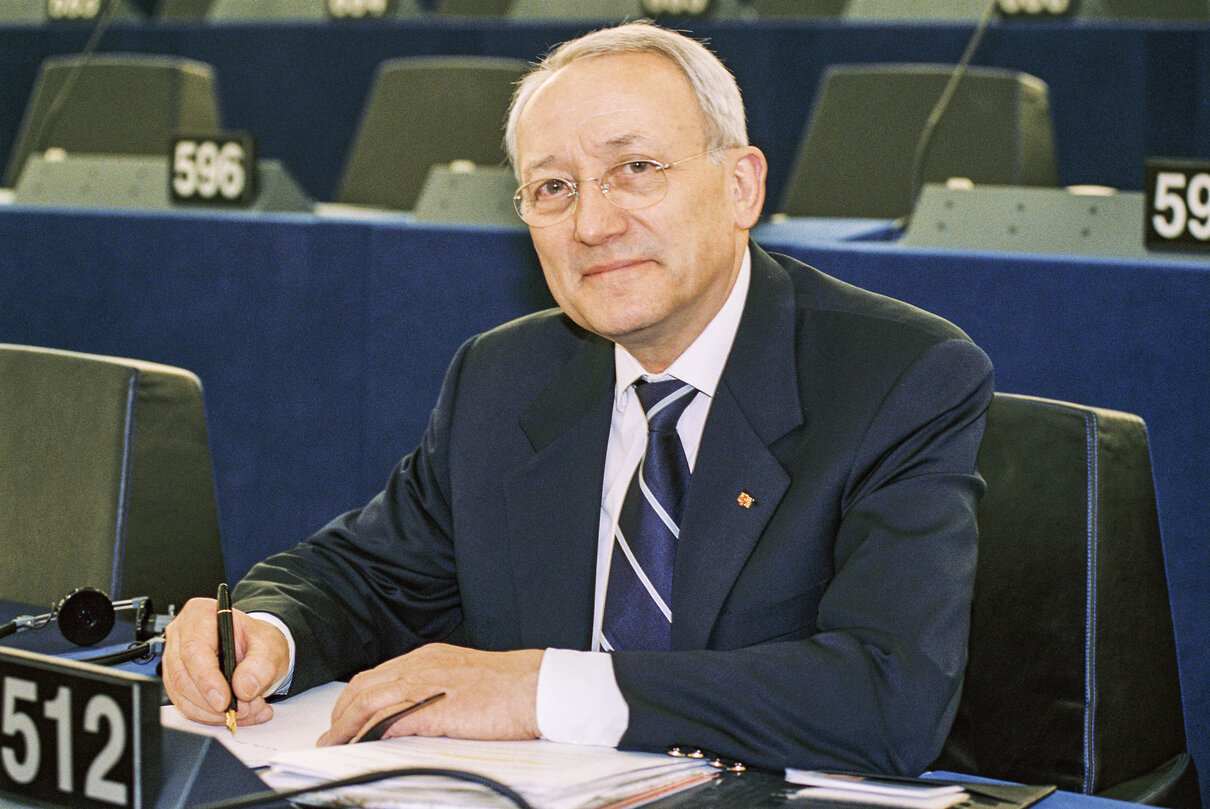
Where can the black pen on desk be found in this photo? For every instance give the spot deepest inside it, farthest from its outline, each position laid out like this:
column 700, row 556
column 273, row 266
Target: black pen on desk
column 380, row 727
column 226, row 649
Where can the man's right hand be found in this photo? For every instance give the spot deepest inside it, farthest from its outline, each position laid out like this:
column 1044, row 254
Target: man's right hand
column 191, row 673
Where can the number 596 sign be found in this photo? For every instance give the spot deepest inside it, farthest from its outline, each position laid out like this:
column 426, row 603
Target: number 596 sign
column 1177, row 210
column 214, row 169
column 73, row 734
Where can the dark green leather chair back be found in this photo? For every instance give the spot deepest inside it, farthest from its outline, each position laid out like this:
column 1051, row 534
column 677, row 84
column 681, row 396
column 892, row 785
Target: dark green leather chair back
column 856, row 157
column 106, row 479
column 422, row 111
column 114, row 104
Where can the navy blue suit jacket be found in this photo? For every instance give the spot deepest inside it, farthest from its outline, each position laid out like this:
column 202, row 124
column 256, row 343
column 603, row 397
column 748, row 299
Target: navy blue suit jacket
column 823, row 626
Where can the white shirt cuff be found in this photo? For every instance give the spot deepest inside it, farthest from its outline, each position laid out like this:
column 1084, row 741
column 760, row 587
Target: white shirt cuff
column 579, row 701
column 282, row 685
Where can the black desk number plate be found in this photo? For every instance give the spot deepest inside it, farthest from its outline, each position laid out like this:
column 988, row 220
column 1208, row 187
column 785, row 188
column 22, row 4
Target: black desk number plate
column 213, row 169
column 77, row 735
column 1177, row 209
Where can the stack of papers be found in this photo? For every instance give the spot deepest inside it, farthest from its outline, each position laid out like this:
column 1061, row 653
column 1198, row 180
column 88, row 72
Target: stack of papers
column 548, row 775
column 870, row 789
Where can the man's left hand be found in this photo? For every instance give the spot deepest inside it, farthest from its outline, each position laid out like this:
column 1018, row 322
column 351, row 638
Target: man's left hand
column 488, row 695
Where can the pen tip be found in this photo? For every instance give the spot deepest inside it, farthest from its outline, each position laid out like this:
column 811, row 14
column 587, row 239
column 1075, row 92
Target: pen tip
column 231, row 722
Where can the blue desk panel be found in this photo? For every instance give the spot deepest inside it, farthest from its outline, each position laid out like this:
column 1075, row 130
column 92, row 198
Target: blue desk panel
column 321, row 345
column 1119, row 91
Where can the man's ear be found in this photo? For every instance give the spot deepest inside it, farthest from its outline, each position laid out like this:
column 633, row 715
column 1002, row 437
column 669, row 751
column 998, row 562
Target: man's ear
column 749, row 178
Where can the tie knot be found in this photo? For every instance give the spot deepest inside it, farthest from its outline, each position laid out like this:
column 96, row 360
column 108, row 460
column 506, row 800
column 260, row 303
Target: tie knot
column 664, row 402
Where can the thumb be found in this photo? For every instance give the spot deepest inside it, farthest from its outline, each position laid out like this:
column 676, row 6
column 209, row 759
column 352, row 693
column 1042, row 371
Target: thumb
column 265, row 661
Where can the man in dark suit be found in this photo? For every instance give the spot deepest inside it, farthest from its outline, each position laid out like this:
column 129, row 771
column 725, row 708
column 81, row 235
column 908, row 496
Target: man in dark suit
column 801, row 598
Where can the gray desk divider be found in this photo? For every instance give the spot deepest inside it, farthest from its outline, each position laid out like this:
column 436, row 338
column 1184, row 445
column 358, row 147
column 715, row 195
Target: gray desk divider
column 1028, row 220
column 461, row 192
column 134, row 181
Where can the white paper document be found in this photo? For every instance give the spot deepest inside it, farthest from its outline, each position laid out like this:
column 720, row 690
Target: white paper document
column 297, row 723
column 872, row 789
column 547, row 774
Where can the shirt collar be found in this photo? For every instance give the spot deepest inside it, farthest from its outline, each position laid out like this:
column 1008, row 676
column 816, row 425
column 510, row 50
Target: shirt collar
column 702, row 362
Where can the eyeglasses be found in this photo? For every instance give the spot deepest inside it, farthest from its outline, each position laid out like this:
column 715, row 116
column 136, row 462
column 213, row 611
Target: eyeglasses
column 630, row 185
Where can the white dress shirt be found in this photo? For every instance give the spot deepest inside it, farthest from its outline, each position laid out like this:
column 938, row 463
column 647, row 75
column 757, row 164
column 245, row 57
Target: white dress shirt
column 578, row 697
column 578, row 700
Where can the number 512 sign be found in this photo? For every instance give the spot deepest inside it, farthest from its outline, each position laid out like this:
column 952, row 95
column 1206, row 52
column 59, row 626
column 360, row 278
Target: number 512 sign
column 78, row 735
column 1177, row 209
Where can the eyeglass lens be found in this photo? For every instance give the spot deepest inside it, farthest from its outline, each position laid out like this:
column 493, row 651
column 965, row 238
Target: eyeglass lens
column 632, row 184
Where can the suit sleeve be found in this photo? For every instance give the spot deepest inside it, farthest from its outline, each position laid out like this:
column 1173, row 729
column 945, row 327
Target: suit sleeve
column 375, row 582
column 875, row 683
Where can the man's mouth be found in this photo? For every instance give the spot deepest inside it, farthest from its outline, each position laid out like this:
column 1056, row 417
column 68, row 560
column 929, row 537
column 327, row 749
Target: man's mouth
column 611, row 266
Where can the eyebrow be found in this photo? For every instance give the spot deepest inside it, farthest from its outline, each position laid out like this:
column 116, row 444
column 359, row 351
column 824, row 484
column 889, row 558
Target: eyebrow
column 625, row 140
column 529, row 168
column 616, row 143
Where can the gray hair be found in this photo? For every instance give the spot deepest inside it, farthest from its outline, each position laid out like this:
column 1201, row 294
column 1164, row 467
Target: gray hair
column 713, row 85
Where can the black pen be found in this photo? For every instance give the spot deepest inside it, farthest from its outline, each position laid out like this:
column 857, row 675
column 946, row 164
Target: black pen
column 226, row 649
column 380, row 727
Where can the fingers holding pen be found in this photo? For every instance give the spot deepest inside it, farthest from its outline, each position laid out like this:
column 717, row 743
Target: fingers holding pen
column 263, row 657
column 263, row 660
column 191, row 674
column 192, row 677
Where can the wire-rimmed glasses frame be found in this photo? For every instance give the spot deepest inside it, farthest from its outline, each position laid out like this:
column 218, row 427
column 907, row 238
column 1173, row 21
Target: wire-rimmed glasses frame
column 631, row 185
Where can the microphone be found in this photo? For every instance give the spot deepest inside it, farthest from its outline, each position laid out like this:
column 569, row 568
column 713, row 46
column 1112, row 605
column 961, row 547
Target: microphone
column 943, row 102
column 69, row 81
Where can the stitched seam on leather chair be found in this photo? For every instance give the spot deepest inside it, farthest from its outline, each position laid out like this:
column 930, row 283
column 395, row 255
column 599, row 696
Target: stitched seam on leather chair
column 1090, row 629
column 119, row 539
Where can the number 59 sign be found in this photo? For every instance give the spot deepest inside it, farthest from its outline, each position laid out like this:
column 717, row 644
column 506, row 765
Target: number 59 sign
column 1177, row 210
column 74, row 734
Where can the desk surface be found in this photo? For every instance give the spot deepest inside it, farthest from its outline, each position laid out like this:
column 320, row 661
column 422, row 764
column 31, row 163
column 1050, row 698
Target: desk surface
column 299, row 719
column 752, row 790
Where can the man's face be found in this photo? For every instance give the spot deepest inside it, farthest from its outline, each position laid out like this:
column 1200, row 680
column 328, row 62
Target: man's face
column 650, row 279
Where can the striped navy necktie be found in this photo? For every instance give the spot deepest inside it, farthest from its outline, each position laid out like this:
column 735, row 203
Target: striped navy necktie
column 638, row 612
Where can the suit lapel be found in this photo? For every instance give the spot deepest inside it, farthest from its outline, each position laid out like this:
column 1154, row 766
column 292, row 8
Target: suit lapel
column 553, row 501
column 756, row 403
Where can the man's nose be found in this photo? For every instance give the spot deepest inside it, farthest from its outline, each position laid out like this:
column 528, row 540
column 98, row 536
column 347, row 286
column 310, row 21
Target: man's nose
column 596, row 218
